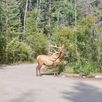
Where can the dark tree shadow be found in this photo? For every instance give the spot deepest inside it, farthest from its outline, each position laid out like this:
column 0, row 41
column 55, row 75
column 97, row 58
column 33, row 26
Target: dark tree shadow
column 83, row 93
column 3, row 66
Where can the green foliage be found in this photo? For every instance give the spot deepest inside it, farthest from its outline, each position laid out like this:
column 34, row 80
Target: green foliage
column 83, row 39
column 38, row 43
column 36, row 40
column 66, row 36
column 2, row 48
column 18, row 51
column 11, row 15
column 28, row 29
column 86, row 68
column 31, row 22
column 2, row 42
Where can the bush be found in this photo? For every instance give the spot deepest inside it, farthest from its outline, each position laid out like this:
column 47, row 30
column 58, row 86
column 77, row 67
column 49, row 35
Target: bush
column 18, row 51
column 38, row 43
column 86, row 68
column 2, row 48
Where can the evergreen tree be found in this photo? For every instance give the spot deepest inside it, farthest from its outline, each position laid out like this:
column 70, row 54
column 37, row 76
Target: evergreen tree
column 11, row 11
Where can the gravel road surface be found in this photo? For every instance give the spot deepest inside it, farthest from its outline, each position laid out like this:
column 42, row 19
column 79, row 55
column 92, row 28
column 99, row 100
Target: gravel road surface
column 18, row 83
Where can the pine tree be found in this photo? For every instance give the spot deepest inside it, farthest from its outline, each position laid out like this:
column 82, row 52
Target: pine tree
column 1, row 17
column 11, row 11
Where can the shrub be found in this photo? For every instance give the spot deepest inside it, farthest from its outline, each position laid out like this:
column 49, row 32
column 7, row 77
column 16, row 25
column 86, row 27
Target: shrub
column 18, row 51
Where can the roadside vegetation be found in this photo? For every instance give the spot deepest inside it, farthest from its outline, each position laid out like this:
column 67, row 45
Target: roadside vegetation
column 32, row 27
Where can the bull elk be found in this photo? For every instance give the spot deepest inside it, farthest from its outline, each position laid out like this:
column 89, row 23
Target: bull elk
column 50, row 60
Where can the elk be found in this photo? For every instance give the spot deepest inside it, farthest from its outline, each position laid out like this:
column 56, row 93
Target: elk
column 50, row 60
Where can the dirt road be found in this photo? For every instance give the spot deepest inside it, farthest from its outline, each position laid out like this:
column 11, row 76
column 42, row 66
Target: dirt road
column 18, row 83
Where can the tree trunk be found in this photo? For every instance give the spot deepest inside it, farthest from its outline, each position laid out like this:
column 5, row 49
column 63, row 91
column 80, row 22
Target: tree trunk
column 49, row 24
column 75, row 13
column 25, row 14
column 76, row 50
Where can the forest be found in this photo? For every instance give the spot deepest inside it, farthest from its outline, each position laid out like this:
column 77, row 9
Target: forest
column 32, row 27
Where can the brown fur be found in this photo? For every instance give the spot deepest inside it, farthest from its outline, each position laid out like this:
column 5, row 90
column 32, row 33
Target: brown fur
column 52, row 60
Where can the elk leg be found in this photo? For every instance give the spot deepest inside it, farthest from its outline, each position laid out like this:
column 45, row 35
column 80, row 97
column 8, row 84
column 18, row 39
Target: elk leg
column 38, row 69
column 56, row 70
